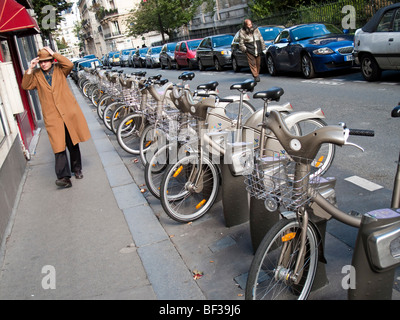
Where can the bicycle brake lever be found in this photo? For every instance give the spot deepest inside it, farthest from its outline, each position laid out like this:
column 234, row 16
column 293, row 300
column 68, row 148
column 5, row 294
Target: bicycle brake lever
column 354, row 145
column 346, row 136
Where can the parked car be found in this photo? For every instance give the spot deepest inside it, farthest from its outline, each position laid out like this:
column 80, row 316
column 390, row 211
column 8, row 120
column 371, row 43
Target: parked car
column 377, row 44
column 185, row 53
column 130, row 58
column 167, row 57
column 215, row 51
column 115, row 59
column 124, row 56
column 108, row 58
column 153, row 57
column 139, row 58
column 310, row 49
column 239, row 58
column 89, row 61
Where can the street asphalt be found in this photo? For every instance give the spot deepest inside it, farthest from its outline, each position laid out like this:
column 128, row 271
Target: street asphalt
column 106, row 239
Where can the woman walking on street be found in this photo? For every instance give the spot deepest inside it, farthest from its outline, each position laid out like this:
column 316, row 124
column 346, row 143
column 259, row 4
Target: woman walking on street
column 64, row 121
column 252, row 42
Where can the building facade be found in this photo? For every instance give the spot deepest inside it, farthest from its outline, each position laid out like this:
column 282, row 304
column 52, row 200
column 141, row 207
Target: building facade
column 104, row 24
column 66, row 31
column 19, row 109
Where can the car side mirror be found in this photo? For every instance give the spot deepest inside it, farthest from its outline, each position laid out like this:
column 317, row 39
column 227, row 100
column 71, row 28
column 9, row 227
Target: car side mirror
column 284, row 40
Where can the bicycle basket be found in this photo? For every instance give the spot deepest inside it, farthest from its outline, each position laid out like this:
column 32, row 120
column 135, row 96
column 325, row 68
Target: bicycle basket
column 289, row 181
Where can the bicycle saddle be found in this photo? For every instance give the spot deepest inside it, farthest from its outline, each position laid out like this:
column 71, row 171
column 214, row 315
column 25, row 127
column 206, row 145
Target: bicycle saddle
column 161, row 82
column 273, row 94
column 139, row 73
column 247, row 85
column 156, row 77
column 212, row 85
column 396, row 111
column 186, row 75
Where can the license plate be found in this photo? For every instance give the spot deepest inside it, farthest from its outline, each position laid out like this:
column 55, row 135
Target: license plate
column 349, row 58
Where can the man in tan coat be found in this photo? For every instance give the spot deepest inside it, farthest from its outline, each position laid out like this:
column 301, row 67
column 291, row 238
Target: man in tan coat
column 252, row 42
column 65, row 123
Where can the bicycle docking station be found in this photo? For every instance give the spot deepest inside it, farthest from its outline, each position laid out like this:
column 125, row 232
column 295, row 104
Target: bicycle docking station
column 376, row 255
column 235, row 199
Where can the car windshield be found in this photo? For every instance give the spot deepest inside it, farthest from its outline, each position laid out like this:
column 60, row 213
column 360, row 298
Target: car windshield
column 222, row 41
column 171, row 47
column 193, row 44
column 269, row 34
column 314, row 30
column 155, row 50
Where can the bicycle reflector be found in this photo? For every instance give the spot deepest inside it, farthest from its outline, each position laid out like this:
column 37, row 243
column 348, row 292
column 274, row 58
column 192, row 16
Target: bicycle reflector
column 288, row 236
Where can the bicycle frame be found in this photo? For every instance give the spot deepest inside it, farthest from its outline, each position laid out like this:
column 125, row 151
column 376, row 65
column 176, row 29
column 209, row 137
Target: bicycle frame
column 377, row 251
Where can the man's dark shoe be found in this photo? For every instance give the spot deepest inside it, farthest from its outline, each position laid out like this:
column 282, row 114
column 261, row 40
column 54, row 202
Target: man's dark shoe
column 78, row 174
column 64, row 182
column 257, row 79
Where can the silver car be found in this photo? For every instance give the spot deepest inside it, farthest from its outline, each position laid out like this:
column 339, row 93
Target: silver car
column 377, row 44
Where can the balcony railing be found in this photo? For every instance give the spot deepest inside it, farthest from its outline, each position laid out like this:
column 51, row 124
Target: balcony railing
column 110, row 35
column 104, row 13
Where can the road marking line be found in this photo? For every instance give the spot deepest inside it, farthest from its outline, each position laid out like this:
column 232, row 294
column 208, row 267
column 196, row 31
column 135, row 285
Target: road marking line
column 364, row 183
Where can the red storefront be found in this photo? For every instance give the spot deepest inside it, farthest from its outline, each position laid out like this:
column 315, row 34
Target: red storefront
column 18, row 46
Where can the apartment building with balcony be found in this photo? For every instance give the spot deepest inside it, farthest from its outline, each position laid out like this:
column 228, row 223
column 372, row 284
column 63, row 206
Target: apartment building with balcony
column 66, row 31
column 226, row 17
column 104, row 26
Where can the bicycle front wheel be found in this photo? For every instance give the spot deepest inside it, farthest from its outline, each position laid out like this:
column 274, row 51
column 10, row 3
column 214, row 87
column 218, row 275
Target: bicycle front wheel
column 183, row 198
column 128, row 133
column 271, row 272
column 151, row 139
column 326, row 153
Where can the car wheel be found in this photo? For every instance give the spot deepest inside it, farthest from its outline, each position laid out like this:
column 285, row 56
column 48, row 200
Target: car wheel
column 271, row 66
column 369, row 68
column 307, row 67
column 190, row 65
column 201, row 67
column 217, row 65
column 235, row 65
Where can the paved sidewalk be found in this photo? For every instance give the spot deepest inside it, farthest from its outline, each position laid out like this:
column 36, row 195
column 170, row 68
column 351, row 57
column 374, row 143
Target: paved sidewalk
column 104, row 239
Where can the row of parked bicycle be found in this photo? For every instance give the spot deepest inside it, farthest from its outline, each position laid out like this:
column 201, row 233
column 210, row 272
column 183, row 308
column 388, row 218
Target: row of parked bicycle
column 192, row 143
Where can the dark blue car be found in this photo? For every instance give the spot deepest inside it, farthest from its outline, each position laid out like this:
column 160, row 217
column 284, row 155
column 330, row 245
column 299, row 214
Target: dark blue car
column 310, row 49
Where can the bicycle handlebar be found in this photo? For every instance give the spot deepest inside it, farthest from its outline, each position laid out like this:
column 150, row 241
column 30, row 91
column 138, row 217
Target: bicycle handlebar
column 362, row 132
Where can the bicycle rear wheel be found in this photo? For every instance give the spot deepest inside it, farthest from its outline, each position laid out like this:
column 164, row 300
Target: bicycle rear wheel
column 183, row 199
column 270, row 280
column 232, row 110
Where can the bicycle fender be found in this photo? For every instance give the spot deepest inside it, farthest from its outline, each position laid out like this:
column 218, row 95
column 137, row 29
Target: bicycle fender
column 236, row 98
column 298, row 116
column 287, row 107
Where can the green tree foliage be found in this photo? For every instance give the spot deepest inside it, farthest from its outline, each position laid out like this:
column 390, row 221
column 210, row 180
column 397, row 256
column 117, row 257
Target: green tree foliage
column 263, row 8
column 49, row 14
column 163, row 16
